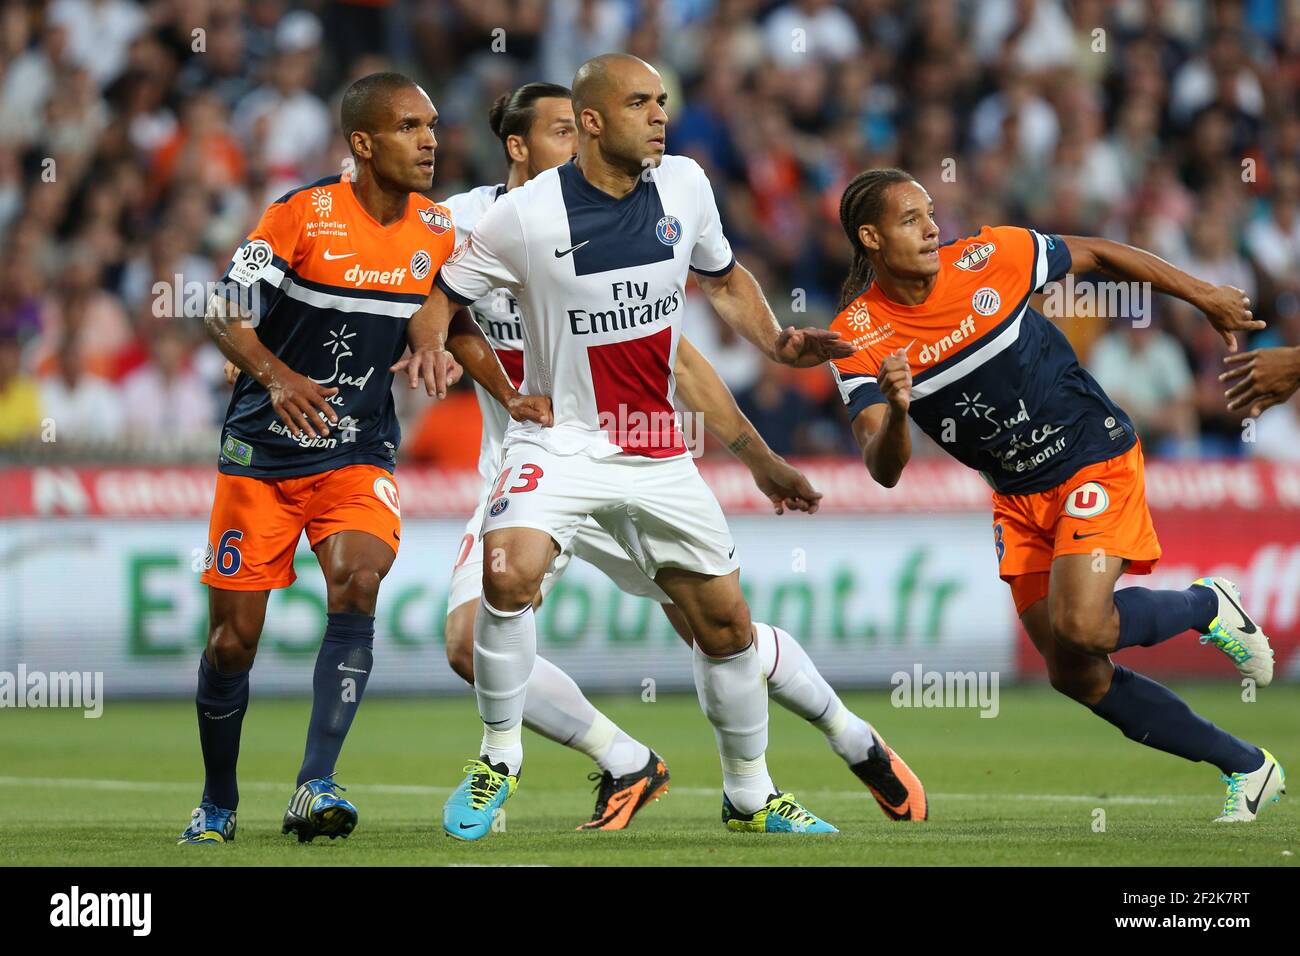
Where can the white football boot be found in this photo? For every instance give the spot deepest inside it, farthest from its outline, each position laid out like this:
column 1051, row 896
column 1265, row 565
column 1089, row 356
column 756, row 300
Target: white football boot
column 1233, row 632
column 1248, row 793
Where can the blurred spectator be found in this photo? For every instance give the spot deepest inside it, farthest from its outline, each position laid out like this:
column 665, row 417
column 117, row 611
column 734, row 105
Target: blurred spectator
column 285, row 126
column 165, row 400
column 1146, row 373
column 85, row 409
column 805, row 32
column 777, row 411
column 99, row 32
column 20, row 399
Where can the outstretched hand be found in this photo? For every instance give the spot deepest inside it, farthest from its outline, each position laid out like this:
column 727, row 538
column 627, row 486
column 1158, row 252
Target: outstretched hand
column 1261, row 378
column 1228, row 309
column 438, row 370
column 809, row 346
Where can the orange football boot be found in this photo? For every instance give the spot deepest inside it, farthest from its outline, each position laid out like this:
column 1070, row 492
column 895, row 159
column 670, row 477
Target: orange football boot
column 892, row 783
column 619, row 798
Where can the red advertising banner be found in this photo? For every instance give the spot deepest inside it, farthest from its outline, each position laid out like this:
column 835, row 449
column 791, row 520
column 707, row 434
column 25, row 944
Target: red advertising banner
column 936, row 486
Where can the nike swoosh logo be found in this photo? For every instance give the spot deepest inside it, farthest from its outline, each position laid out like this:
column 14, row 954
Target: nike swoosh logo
column 1249, row 625
column 1253, row 805
column 354, row 670
column 221, row 716
column 326, row 254
column 561, row 255
column 732, row 551
column 1080, row 537
column 468, row 826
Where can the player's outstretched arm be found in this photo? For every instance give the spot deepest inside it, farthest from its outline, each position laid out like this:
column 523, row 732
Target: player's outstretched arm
column 426, row 334
column 466, row 341
column 1226, row 306
column 881, row 429
column 301, row 404
column 1261, row 378
column 738, row 298
column 702, row 390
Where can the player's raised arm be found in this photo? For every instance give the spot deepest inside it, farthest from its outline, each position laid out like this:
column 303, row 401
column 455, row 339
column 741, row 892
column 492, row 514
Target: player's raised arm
column 737, row 297
column 881, row 429
column 702, row 390
column 1226, row 306
column 301, row 404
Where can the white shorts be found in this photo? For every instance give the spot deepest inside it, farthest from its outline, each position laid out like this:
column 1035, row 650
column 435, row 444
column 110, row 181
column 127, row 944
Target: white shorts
column 627, row 516
column 592, row 544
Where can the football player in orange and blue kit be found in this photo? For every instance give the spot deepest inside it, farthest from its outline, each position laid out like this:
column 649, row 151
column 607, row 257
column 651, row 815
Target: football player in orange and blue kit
column 314, row 311
column 945, row 334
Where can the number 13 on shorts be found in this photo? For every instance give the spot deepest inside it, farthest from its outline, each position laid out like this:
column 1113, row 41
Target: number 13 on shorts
column 528, row 476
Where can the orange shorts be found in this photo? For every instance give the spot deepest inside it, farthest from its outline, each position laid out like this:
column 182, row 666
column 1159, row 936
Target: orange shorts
column 1101, row 509
column 257, row 522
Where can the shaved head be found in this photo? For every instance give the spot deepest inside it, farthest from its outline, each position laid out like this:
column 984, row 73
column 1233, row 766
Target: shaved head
column 607, row 76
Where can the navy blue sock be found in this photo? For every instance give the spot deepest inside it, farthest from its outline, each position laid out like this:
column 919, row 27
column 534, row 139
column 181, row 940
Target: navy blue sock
column 1148, row 617
column 342, row 669
column 1154, row 715
column 221, row 701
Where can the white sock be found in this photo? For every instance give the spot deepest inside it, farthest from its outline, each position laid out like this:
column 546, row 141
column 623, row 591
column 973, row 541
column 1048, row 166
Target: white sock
column 732, row 696
column 794, row 682
column 505, row 647
column 556, row 708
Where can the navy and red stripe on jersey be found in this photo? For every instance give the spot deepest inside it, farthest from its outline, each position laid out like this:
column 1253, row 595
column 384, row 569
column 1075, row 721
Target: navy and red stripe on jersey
column 994, row 383
column 330, row 292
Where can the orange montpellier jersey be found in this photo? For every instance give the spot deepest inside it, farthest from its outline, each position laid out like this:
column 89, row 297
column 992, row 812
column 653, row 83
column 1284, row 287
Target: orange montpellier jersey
column 330, row 292
column 994, row 383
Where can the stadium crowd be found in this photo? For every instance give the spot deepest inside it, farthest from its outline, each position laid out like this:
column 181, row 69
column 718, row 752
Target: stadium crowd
column 142, row 140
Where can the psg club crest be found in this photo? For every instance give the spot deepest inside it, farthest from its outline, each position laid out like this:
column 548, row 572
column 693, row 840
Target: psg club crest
column 437, row 221
column 986, row 301
column 498, row 506
column 420, row 263
column 668, row 230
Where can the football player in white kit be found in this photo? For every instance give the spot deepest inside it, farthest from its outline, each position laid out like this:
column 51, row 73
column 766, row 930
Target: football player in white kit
column 596, row 253
column 536, row 126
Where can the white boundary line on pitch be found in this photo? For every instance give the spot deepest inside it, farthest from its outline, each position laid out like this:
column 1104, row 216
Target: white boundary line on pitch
column 418, row 790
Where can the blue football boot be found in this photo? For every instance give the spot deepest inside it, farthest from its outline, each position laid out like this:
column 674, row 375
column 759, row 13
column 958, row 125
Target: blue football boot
column 316, row 809
column 209, row 824
column 472, row 807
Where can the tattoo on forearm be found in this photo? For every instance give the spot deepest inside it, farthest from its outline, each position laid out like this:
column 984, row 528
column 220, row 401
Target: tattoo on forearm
column 740, row 444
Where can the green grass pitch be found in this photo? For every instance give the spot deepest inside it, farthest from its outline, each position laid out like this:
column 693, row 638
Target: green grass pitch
column 1020, row 789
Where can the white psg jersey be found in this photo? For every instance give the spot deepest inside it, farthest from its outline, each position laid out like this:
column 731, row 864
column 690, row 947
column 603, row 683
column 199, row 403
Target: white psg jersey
column 497, row 314
column 600, row 284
